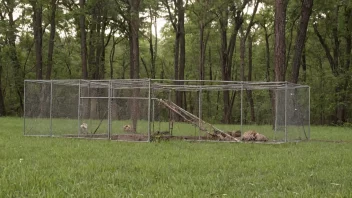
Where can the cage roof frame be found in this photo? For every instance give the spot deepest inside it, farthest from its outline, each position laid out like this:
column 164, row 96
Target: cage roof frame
column 169, row 84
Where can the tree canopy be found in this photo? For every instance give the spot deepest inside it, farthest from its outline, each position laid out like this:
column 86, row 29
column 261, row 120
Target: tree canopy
column 303, row 42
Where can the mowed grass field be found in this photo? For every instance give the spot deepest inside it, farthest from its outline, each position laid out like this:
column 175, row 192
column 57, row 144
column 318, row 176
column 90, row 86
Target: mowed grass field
column 59, row 167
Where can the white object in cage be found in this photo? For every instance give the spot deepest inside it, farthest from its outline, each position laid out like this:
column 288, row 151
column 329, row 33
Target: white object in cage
column 84, row 127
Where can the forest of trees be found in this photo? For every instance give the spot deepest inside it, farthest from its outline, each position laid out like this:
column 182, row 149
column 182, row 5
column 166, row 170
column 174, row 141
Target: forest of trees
column 299, row 41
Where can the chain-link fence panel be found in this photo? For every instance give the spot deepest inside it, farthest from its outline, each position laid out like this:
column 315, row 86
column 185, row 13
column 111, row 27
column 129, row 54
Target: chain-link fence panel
column 65, row 108
column 130, row 110
column 37, row 102
column 297, row 112
column 94, row 109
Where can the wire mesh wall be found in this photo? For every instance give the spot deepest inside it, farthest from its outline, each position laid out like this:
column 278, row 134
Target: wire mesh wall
column 150, row 109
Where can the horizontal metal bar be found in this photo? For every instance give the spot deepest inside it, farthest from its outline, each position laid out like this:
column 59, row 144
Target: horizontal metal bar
column 139, row 98
column 167, row 84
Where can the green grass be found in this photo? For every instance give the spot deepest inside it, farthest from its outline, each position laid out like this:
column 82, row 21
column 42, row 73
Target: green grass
column 59, row 167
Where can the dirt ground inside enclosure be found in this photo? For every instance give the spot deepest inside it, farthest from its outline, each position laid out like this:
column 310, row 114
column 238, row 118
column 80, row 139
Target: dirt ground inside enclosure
column 142, row 137
column 139, row 137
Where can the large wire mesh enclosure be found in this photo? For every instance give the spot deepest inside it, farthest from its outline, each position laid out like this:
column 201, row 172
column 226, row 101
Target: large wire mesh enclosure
column 151, row 109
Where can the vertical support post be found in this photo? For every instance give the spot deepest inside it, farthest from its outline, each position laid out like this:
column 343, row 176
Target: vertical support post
column 88, row 107
column 79, row 108
column 242, row 106
column 109, row 109
column 170, row 116
column 149, row 108
column 24, row 108
column 51, row 107
column 153, row 112
column 308, row 113
column 276, row 92
column 285, row 111
column 199, row 111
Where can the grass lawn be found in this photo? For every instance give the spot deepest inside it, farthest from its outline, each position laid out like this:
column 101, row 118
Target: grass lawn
column 58, row 167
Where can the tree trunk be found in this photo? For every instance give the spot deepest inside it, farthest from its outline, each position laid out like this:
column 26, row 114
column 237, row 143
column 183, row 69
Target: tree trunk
column 203, row 40
column 227, row 52
column 304, row 65
column 153, row 47
column 38, row 37
column 268, row 74
column 306, row 11
column 176, row 68
column 225, row 69
column 18, row 77
column 280, row 44
column 242, row 56
column 51, row 39
column 250, row 67
column 82, row 26
column 92, row 44
column 182, row 63
column 134, row 56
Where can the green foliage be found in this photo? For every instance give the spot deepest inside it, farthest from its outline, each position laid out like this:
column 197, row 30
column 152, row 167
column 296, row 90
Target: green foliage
column 67, row 63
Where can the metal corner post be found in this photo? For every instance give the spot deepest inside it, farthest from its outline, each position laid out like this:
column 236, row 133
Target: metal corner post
column 109, row 109
column 286, row 112
column 276, row 97
column 170, row 116
column 24, row 108
column 308, row 113
column 149, row 109
column 200, row 111
column 79, row 108
column 153, row 111
column 51, row 107
column 242, row 106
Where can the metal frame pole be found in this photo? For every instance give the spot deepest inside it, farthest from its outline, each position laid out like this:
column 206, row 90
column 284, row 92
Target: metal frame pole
column 149, row 109
column 286, row 112
column 308, row 113
column 241, row 106
column 51, row 108
column 24, row 108
column 109, row 110
column 276, row 112
column 79, row 108
column 199, row 111
column 153, row 112
column 170, row 116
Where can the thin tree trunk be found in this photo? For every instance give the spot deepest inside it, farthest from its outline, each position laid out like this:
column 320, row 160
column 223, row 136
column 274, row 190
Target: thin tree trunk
column 304, row 65
column 152, row 48
column 242, row 56
column 19, row 74
column 92, row 44
column 203, row 40
column 306, row 11
column 51, row 39
column 250, row 67
column 225, row 70
column 82, row 26
column 267, row 76
column 227, row 52
column 182, row 63
column 280, row 43
column 38, row 37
